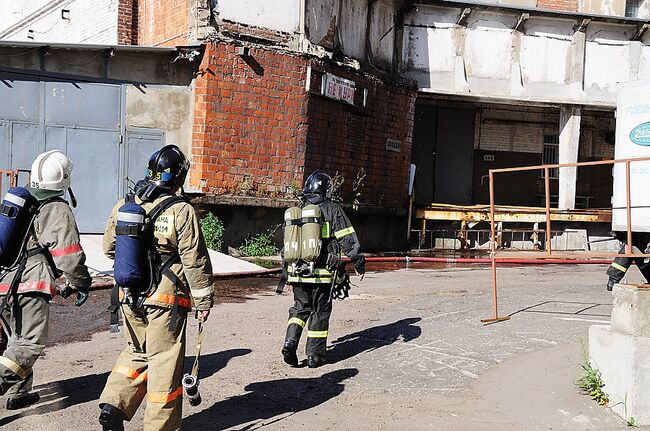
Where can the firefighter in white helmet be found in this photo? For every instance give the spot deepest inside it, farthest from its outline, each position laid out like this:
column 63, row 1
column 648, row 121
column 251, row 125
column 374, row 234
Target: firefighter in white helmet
column 52, row 249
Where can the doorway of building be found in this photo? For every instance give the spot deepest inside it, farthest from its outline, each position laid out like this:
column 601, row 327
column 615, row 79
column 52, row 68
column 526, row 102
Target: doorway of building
column 443, row 149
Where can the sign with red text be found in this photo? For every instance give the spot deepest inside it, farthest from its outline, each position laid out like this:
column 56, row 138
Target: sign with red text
column 338, row 88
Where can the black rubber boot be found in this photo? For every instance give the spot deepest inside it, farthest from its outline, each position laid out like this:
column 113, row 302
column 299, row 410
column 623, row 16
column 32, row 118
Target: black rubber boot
column 316, row 361
column 289, row 353
column 111, row 418
column 23, row 401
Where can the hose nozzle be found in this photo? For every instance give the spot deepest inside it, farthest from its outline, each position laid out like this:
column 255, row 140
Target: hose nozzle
column 191, row 385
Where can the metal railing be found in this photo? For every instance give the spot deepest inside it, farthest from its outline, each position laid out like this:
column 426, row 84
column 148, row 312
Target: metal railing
column 547, row 228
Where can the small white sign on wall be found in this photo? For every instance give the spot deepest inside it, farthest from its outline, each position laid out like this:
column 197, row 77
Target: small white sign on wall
column 338, row 88
column 394, row 145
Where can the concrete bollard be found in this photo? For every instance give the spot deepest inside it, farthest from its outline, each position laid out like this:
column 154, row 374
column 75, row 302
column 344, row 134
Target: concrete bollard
column 621, row 351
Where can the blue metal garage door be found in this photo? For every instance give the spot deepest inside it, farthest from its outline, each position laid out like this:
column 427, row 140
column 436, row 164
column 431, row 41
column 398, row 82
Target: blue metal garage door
column 84, row 120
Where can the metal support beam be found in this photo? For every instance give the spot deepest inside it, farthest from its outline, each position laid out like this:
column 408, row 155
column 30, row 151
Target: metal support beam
column 522, row 20
column 641, row 31
column 463, row 16
column 583, row 24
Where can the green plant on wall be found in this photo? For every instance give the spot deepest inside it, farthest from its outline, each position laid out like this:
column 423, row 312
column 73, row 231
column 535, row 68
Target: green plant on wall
column 357, row 185
column 260, row 245
column 337, row 187
column 590, row 382
column 213, row 230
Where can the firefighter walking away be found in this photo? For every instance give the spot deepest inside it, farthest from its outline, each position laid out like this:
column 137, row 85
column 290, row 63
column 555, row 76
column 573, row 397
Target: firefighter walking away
column 315, row 234
column 39, row 242
column 161, row 268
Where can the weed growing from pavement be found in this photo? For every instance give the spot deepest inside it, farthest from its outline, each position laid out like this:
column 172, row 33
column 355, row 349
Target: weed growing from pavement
column 212, row 229
column 260, row 245
column 590, row 382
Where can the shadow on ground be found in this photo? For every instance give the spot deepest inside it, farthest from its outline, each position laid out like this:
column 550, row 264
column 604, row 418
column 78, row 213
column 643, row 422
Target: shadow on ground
column 270, row 399
column 370, row 339
column 62, row 394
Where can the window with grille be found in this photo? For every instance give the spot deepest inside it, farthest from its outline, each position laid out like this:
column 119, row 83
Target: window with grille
column 551, row 154
column 632, row 8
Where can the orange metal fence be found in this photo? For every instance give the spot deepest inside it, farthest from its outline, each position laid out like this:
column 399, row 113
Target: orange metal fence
column 10, row 176
column 546, row 168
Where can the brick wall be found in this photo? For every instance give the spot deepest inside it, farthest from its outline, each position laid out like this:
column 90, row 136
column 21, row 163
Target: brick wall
column 127, row 22
column 250, row 122
column 563, row 5
column 163, row 22
column 346, row 139
column 258, row 132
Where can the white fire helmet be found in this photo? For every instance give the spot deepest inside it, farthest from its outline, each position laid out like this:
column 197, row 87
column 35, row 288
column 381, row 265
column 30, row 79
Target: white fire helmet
column 51, row 171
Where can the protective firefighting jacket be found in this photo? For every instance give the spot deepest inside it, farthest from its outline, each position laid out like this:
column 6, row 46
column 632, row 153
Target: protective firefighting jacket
column 335, row 227
column 176, row 230
column 56, row 230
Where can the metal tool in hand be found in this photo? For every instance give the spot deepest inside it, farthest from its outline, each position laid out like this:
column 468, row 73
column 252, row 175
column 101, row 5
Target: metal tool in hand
column 191, row 380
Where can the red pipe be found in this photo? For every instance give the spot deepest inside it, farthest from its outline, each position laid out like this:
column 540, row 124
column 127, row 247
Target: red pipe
column 109, row 284
column 518, row 261
column 514, row 261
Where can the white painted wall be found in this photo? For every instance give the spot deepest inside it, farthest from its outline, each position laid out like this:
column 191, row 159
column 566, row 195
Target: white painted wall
column 350, row 18
column 91, row 21
column 487, row 58
column 281, row 15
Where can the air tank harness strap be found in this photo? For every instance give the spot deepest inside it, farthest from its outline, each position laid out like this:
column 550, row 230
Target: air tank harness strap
column 166, row 271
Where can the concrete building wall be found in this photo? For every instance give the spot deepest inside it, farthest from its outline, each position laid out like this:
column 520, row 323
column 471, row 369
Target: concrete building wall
column 602, row 7
column 545, row 61
column 89, row 21
column 361, row 30
column 165, row 108
column 280, row 15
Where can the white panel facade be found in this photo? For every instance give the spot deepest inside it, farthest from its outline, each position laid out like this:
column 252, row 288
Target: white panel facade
column 545, row 60
column 607, row 60
column 88, row 21
column 281, row 15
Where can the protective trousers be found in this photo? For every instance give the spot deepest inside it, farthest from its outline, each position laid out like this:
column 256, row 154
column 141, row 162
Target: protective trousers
column 28, row 318
column 311, row 305
column 151, row 365
column 620, row 265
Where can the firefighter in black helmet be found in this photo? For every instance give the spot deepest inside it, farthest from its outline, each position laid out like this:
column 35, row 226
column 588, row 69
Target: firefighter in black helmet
column 151, row 365
column 313, row 306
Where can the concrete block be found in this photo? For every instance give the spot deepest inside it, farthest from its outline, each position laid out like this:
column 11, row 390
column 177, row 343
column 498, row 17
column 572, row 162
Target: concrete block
column 622, row 361
column 631, row 310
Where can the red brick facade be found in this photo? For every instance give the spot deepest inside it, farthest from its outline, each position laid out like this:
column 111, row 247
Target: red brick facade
column 347, row 138
column 127, row 22
column 258, row 131
column 563, row 5
column 163, row 22
column 249, row 122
